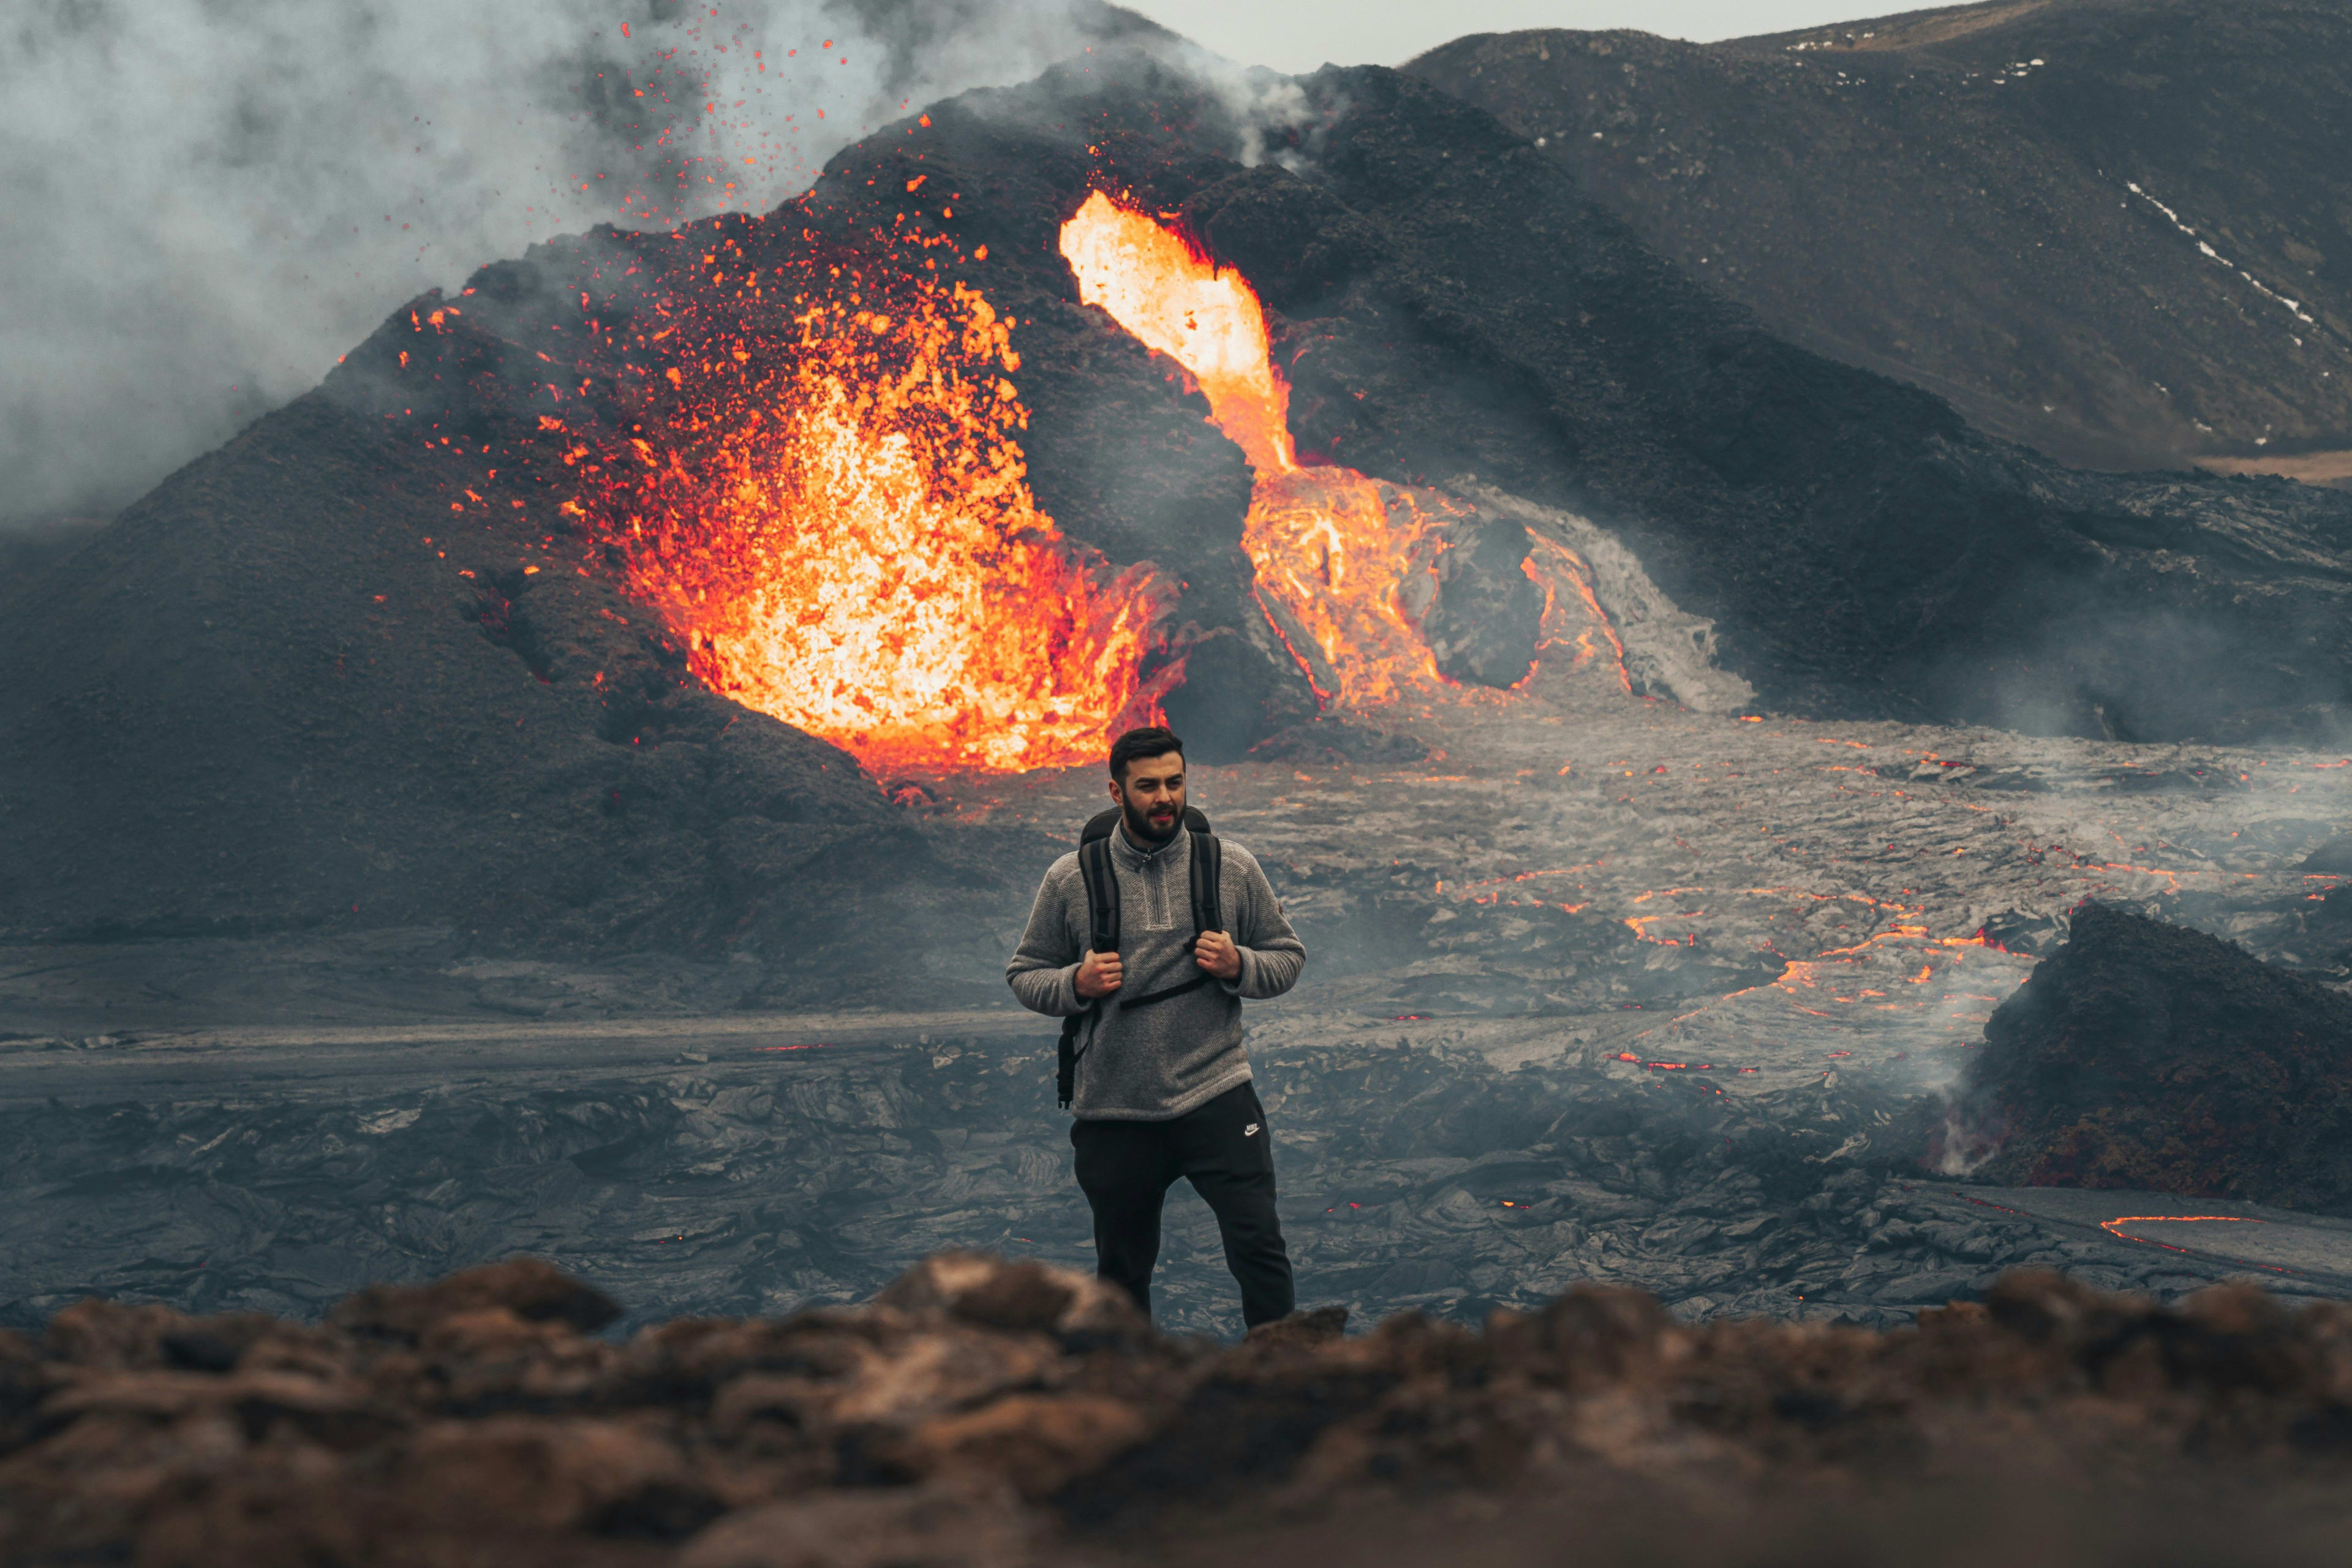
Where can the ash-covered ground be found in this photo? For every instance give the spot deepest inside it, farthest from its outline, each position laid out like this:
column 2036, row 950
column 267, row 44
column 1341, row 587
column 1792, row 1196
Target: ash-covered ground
column 1601, row 988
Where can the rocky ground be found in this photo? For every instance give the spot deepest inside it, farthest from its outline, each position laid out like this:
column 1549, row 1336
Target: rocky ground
column 980, row 1411
column 2141, row 1050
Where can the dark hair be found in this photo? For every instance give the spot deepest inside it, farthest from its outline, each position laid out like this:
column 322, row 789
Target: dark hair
column 1151, row 740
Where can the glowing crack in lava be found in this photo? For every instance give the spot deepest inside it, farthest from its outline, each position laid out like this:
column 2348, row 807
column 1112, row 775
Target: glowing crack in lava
column 852, row 547
column 1338, row 556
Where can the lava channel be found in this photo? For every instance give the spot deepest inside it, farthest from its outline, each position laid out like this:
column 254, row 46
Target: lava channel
column 1341, row 560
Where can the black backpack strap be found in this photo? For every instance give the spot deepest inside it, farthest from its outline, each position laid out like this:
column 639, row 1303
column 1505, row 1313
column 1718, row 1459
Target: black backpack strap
column 1065, row 1069
column 1165, row 992
column 1102, row 895
column 1208, row 881
column 1101, row 886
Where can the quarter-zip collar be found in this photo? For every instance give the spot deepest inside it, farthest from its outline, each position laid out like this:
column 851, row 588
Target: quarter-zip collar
column 1128, row 855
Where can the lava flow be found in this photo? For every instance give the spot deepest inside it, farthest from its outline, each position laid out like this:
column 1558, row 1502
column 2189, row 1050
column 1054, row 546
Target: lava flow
column 842, row 523
column 1340, row 559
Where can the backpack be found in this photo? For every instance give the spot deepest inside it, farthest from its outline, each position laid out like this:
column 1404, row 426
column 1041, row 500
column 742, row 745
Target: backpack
column 1102, row 923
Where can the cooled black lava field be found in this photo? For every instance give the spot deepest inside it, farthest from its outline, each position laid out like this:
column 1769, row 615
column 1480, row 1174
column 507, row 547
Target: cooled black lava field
column 1602, row 989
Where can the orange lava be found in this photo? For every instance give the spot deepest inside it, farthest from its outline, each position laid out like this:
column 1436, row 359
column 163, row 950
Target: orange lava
column 1178, row 301
column 2114, row 1226
column 1337, row 558
column 1550, row 563
column 1344, row 562
column 851, row 546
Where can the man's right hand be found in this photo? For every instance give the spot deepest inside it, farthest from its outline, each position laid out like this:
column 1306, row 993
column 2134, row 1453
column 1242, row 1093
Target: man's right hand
column 1099, row 976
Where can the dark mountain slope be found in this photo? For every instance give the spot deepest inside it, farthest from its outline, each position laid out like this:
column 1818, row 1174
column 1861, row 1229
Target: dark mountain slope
column 265, row 699
column 1947, row 196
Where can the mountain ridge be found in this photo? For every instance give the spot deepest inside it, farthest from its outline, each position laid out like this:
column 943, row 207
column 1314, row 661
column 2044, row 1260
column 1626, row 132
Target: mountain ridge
column 2119, row 233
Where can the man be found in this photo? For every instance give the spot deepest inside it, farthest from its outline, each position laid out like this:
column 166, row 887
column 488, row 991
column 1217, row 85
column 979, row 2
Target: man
column 1162, row 1088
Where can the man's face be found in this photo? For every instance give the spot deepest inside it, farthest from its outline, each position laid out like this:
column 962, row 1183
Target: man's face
column 1151, row 797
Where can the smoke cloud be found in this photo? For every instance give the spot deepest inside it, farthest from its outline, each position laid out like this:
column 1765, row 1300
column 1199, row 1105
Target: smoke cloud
column 205, row 202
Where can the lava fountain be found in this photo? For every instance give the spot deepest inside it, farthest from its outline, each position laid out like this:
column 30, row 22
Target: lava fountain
column 842, row 523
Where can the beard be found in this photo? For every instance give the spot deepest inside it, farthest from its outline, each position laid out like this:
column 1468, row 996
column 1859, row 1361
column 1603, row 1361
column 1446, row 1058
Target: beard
column 1143, row 830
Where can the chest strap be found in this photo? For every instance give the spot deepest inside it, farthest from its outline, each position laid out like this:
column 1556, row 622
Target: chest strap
column 1166, row 993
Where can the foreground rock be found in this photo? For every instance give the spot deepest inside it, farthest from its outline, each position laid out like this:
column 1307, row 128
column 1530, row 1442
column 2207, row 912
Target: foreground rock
column 2145, row 1055
column 985, row 1412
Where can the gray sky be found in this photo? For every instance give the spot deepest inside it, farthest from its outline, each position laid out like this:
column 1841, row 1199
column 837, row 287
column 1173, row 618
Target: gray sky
column 1297, row 35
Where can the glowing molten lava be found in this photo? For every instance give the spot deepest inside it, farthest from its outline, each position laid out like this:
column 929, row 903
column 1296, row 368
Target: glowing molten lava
column 853, row 547
column 1175, row 301
column 1336, row 554
column 1343, row 563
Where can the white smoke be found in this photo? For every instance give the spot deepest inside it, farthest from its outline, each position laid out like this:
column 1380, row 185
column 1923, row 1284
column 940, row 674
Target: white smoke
column 204, row 202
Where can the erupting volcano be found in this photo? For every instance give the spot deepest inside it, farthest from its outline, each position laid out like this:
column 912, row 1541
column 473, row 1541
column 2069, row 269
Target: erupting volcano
column 838, row 515
column 480, row 753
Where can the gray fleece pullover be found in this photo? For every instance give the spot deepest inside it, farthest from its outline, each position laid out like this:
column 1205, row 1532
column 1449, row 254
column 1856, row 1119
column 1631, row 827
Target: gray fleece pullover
column 1158, row 1062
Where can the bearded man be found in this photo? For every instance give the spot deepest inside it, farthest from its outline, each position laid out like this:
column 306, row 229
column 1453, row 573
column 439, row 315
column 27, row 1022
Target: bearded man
column 1162, row 1086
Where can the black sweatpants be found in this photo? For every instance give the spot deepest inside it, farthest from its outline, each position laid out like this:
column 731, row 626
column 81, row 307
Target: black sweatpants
column 1126, row 1168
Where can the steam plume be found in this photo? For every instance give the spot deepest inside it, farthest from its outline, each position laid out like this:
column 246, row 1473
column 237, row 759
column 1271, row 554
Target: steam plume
column 205, row 201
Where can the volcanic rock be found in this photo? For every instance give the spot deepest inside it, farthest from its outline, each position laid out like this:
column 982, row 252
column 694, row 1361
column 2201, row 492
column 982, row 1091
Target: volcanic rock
column 1484, row 613
column 2098, row 226
column 2013, row 932
column 2333, row 858
column 1330, row 739
column 973, row 1287
column 2142, row 1055
column 871, row 1435
column 1232, row 694
column 529, row 1288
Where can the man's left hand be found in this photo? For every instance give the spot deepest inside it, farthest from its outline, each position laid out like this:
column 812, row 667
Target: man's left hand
column 1216, row 954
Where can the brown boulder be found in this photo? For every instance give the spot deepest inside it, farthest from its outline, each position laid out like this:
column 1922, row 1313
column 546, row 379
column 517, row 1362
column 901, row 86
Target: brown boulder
column 531, row 1288
column 553, row 1475
column 1014, row 1294
column 1317, row 1326
column 1036, row 1443
column 922, row 1529
column 337, row 1414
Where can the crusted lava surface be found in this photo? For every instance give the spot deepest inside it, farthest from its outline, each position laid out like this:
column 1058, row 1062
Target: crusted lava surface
column 1599, row 989
column 984, row 1414
column 2141, row 1055
column 2109, row 228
